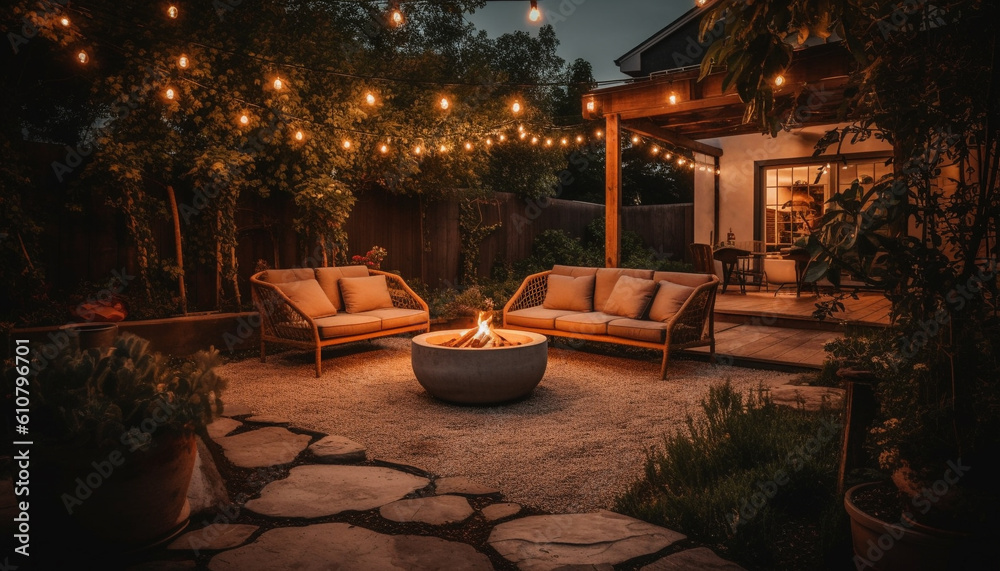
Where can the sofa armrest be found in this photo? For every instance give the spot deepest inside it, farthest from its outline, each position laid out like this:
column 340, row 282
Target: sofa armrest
column 530, row 294
column 695, row 320
column 402, row 296
column 279, row 316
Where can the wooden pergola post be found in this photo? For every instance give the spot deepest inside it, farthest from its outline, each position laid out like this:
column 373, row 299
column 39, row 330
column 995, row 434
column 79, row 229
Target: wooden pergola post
column 613, row 192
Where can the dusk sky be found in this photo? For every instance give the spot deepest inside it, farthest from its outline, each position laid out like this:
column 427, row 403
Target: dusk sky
column 596, row 30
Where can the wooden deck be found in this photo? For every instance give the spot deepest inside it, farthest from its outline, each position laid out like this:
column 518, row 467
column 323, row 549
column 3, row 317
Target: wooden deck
column 760, row 328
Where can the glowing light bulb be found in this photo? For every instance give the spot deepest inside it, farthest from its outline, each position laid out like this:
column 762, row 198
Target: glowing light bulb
column 672, row 99
column 417, row 150
column 579, row 138
column 702, row 2
column 702, row 168
column 503, row 138
column 523, row 135
column 656, row 149
column 370, row 98
column 520, row 128
column 244, row 120
column 383, row 149
column 182, row 62
column 635, row 139
column 680, row 162
column 489, row 142
column 779, row 80
column 172, row 11
column 534, row 140
column 468, row 146
column 82, row 57
column 691, row 166
column 564, row 141
column 64, row 21
column 667, row 156
column 548, row 142
column 299, row 136
column 599, row 133
column 534, row 14
column 516, row 107
column 444, row 103
column 347, row 144
column 170, row 93
column 278, row 84
column 397, row 17
column 443, row 149
column 718, row 171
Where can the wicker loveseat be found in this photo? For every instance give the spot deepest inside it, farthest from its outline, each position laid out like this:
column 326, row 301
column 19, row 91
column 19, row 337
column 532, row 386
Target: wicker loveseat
column 642, row 308
column 315, row 308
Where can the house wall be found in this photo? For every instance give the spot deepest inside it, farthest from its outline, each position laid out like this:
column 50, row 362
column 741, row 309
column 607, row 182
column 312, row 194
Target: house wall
column 736, row 181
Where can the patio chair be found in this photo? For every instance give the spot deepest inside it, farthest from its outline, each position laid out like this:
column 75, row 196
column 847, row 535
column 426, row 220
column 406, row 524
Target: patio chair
column 781, row 272
column 701, row 255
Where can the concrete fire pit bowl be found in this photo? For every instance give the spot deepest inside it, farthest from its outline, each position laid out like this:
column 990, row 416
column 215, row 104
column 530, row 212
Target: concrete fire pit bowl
column 492, row 375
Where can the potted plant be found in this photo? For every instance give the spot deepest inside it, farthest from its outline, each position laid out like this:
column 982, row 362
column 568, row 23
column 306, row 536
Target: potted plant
column 113, row 431
column 925, row 82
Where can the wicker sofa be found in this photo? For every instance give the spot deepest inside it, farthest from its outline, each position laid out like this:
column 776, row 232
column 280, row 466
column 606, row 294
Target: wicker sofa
column 642, row 308
column 316, row 308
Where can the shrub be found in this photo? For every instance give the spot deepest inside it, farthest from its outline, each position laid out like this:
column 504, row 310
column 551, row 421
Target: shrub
column 740, row 473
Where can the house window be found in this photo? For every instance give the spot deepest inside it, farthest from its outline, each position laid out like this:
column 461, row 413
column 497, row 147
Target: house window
column 793, row 196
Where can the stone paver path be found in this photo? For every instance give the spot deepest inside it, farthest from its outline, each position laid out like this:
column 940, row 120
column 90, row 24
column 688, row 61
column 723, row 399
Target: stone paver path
column 333, row 480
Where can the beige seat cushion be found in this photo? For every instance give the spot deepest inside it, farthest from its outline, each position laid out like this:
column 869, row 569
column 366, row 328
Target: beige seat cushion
column 393, row 318
column 365, row 294
column 638, row 329
column 573, row 294
column 329, row 280
column 573, row 271
column 308, row 296
column 668, row 300
column 590, row 322
column 682, row 278
column 343, row 325
column 536, row 317
column 289, row 275
column 630, row 297
column 606, row 280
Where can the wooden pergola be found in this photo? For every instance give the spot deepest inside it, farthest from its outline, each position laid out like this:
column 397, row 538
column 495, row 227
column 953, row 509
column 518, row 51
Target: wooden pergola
column 677, row 109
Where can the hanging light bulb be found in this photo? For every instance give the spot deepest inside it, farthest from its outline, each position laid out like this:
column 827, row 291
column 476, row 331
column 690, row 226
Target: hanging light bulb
column 182, row 62
column 591, row 105
column 395, row 14
column 680, row 162
column 172, row 12
column 779, row 80
column 64, row 21
column 564, row 141
column 691, row 165
column 548, row 142
column 656, row 150
column 579, row 138
column 534, row 140
column 672, row 99
column 417, row 150
column 516, row 107
column 347, row 144
column 468, row 146
column 599, row 133
column 370, row 98
column 443, row 149
column 520, row 128
column 502, row 137
column 82, row 57
column 244, row 119
column 635, row 139
column 299, row 135
column 489, row 142
column 278, row 84
column 668, row 156
column 170, row 93
column 718, row 171
column 534, row 14
column 444, row 103
column 383, row 149
column 523, row 135
column 702, row 168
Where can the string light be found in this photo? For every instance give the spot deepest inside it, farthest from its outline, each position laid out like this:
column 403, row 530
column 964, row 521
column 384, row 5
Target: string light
column 383, row 149
column 244, row 119
column 564, row 141
column 82, row 57
column 64, row 21
column 444, row 103
column 417, row 150
column 656, row 150
column 489, row 142
column 170, row 93
column 395, row 14
column 299, row 136
column 520, row 128
column 579, row 138
column 523, row 135
column 548, row 142
column 599, row 133
column 516, row 107
column 591, row 106
column 370, row 98
column 668, row 156
column 182, row 62
column 718, row 171
column 534, row 14
column 346, row 144
column 635, row 139
column 672, row 99
column 443, row 149
column 680, row 162
column 278, row 84
column 502, row 137
column 779, row 80
column 172, row 12
column 468, row 146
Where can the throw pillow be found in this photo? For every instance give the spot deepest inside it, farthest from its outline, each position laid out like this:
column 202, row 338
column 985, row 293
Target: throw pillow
column 308, row 297
column 569, row 293
column 365, row 294
column 668, row 300
column 629, row 297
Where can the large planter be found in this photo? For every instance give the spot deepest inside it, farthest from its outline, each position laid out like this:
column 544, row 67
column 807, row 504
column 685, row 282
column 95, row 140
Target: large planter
column 91, row 335
column 900, row 545
column 116, row 500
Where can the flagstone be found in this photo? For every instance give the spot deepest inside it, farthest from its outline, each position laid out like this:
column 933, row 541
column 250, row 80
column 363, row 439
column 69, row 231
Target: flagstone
column 548, row 542
column 322, row 490
column 463, row 487
column 333, row 449
column 500, row 511
column 270, row 446
column 435, row 510
column 221, row 427
column 347, row 548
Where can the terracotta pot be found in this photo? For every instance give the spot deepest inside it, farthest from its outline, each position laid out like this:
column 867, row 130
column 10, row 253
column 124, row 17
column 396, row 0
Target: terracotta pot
column 114, row 500
column 91, row 335
column 898, row 545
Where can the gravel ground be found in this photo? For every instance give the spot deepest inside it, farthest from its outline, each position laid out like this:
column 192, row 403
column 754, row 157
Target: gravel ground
column 573, row 446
